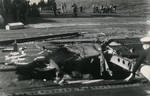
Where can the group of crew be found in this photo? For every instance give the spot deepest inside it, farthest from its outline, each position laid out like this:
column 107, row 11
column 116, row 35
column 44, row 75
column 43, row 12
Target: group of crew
column 80, row 9
column 21, row 9
column 104, row 9
column 76, row 9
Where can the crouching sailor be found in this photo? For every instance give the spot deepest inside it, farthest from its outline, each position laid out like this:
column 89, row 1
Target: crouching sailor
column 143, row 62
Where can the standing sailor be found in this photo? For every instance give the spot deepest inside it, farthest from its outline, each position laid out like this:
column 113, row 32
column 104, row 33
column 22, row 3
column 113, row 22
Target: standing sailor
column 54, row 7
column 75, row 10
column 15, row 45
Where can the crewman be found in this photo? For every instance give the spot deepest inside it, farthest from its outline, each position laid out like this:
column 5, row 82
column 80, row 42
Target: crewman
column 24, row 11
column 62, row 8
column 54, row 7
column 15, row 45
column 75, row 10
column 143, row 62
column 81, row 8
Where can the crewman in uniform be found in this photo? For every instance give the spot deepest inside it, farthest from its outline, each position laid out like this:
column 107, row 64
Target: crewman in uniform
column 75, row 10
column 54, row 7
column 15, row 45
column 143, row 62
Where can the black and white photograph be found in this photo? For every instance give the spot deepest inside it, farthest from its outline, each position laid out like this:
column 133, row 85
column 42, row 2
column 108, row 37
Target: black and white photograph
column 74, row 47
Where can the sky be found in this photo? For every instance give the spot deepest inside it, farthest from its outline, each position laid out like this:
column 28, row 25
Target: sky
column 35, row 1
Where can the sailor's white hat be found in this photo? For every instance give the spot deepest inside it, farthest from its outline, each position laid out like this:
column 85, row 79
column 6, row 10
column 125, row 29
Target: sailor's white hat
column 145, row 39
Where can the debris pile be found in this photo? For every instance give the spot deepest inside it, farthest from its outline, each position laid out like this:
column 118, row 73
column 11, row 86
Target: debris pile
column 75, row 61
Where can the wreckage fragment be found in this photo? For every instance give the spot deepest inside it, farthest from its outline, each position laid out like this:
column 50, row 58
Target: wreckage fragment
column 13, row 26
column 88, row 60
column 122, row 62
